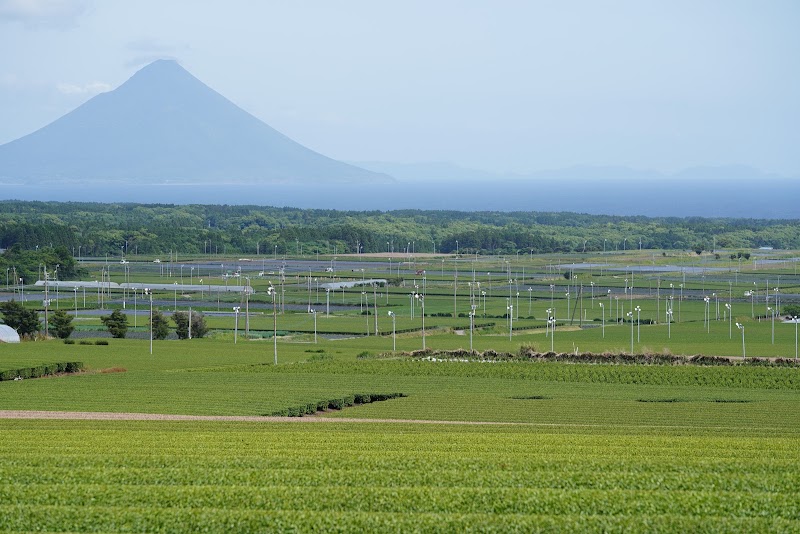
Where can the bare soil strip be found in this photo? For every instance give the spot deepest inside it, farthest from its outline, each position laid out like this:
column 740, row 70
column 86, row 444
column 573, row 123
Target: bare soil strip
column 111, row 416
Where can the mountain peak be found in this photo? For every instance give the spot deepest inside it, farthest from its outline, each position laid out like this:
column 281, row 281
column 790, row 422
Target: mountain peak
column 163, row 125
column 161, row 69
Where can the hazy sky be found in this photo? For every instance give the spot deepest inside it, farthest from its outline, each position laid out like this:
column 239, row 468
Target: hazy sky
column 497, row 85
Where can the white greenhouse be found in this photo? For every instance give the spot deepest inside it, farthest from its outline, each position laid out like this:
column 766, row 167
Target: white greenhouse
column 8, row 334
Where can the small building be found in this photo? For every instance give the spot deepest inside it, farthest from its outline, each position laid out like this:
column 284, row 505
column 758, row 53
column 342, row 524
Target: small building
column 8, row 334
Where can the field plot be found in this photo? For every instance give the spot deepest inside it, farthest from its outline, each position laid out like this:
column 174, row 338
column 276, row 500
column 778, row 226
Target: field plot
column 573, row 447
column 90, row 476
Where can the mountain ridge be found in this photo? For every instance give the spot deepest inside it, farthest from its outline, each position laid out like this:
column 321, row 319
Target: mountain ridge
column 445, row 171
column 163, row 125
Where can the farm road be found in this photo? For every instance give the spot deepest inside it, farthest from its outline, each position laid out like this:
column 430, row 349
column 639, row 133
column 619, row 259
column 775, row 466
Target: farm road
column 111, row 416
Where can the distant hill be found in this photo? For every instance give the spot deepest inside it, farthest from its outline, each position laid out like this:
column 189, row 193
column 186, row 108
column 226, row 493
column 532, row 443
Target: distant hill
column 443, row 171
column 165, row 126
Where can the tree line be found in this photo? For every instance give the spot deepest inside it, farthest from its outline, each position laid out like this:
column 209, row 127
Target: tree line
column 96, row 229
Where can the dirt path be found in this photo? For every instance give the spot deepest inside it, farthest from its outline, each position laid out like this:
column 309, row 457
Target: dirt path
column 111, row 416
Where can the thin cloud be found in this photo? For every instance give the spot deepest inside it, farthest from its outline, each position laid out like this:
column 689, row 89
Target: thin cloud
column 58, row 14
column 151, row 46
column 148, row 50
column 138, row 61
column 10, row 80
column 91, row 88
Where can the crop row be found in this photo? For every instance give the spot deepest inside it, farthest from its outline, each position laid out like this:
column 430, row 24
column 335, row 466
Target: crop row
column 373, row 474
column 133, row 519
column 417, row 499
column 714, row 376
column 310, row 408
column 527, row 353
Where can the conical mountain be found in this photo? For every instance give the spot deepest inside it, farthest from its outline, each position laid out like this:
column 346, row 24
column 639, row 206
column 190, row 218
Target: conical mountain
column 163, row 125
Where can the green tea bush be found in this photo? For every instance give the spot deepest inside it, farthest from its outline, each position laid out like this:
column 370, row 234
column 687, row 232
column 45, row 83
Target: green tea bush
column 335, row 404
column 39, row 371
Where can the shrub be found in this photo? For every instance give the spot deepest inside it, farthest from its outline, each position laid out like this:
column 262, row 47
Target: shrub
column 160, row 325
column 24, row 321
column 41, row 370
column 101, row 342
column 61, row 324
column 335, row 404
column 73, row 367
column 8, row 375
column 69, row 341
column 116, row 323
column 198, row 320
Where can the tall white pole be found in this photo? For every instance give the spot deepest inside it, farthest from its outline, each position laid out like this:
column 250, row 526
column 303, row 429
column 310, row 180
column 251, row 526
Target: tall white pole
column 773, row 325
column 511, row 320
column 604, row 319
column 150, row 293
column 638, row 324
column 394, row 331
column 236, row 325
column 630, row 316
column 741, row 327
column 471, row 322
column 315, row 325
column 274, row 326
column 422, row 302
column 730, row 320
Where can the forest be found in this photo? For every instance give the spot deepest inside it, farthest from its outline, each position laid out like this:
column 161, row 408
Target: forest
column 97, row 229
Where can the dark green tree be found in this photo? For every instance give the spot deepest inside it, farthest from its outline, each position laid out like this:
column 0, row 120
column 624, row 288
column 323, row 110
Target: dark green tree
column 160, row 325
column 24, row 321
column 61, row 324
column 117, row 323
column 791, row 309
column 199, row 327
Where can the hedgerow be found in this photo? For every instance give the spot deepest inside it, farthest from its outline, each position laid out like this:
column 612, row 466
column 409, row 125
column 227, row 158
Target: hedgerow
column 530, row 354
column 39, row 371
column 334, row 404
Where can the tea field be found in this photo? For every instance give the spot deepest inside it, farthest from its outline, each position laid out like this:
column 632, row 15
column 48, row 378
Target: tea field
column 345, row 477
column 503, row 446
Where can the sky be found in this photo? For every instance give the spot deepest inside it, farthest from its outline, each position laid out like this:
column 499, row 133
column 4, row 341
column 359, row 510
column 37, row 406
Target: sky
column 505, row 86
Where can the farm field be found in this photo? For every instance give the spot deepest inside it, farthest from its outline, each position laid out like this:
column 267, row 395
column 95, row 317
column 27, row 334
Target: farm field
column 471, row 446
column 244, row 477
column 206, row 377
column 572, row 446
